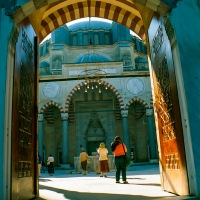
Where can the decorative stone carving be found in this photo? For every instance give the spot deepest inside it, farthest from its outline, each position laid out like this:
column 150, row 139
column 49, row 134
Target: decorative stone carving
column 40, row 117
column 149, row 112
column 124, row 113
column 64, row 116
column 95, row 128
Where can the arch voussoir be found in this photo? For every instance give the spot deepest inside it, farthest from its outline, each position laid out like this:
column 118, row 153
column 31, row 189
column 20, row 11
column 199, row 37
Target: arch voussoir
column 44, row 107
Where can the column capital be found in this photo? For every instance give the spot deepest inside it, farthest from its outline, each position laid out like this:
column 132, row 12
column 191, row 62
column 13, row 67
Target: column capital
column 64, row 116
column 40, row 117
column 149, row 112
column 124, row 113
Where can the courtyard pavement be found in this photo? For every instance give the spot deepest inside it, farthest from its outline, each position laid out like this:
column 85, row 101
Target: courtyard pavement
column 144, row 184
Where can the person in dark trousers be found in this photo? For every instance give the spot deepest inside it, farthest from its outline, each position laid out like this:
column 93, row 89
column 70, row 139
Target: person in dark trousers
column 119, row 148
column 50, row 165
column 83, row 159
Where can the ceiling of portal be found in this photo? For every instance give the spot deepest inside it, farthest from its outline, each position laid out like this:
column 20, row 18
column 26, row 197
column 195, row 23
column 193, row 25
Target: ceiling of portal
column 47, row 15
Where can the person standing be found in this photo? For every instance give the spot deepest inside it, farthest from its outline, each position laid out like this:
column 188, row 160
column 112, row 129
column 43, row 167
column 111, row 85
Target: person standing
column 103, row 160
column 83, row 159
column 39, row 164
column 50, row 165
column 119, row 148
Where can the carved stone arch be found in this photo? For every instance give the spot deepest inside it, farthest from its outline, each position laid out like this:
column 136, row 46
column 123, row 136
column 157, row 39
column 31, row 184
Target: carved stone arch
column 137, row 99
column 44, row 107
column 106, row 84
column 57, row 13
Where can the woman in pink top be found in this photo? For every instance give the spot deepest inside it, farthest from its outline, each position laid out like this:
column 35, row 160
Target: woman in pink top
column 118, row 148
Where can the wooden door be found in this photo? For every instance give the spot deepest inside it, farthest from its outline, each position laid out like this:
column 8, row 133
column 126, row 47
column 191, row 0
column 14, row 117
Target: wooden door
column 24, row 138
column 172, row 151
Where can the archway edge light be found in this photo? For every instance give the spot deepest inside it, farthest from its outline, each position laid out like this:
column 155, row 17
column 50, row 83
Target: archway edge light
column 46, row 16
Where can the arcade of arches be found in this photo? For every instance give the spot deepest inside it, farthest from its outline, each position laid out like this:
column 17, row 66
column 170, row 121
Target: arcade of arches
column 173, row 62
column 103, row 88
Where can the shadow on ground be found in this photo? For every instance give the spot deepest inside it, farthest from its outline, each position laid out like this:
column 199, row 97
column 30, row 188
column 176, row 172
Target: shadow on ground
column 71, row 195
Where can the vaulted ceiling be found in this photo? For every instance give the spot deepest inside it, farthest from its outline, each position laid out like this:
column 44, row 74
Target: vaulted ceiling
column 47, row 15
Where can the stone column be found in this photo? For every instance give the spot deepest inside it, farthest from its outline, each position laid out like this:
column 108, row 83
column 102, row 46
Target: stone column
column 152, row 142
column 40, row 134
column 126, row 137
column 65, row 138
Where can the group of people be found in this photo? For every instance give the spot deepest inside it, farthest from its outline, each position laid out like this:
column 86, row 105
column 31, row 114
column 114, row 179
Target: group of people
column 118, row 149
column 50, row 164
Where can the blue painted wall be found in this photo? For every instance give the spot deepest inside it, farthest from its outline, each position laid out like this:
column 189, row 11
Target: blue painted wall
column 5, row 29
column 186, row 21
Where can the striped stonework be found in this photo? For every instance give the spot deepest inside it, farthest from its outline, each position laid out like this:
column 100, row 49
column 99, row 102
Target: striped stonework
column 44, row 107
column 138, row 100
column 47, row 15
column 109, row 86
column 115, row 12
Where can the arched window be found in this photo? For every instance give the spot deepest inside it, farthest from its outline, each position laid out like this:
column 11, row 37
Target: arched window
column 96, row 39
column 106, row 38
column 74, row 40
column 85, row 39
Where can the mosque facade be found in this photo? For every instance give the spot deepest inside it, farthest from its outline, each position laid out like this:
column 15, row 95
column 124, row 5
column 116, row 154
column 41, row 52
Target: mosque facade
column 94, row 84
column 60, row 109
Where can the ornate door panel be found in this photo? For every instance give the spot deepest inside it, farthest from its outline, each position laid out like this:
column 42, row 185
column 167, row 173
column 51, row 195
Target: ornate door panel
column 24, row 137
column 172, row 151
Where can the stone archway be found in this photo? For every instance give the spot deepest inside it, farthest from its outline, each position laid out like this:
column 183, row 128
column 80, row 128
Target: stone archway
column 91, row 121
column 129, row 16
column 134, row 99
column 52, row 15
column 50, row 131
column 44, row 107
column 105, row 84
column 142, row 132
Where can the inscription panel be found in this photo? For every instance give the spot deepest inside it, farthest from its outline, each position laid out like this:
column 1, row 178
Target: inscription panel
column 172, row 161
column 25, row 107
column 163, row 101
